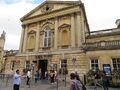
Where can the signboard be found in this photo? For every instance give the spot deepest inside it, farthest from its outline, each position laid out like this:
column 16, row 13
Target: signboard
column 107, row 69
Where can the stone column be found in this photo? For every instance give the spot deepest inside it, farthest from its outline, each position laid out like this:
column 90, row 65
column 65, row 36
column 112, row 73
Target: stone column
column 25, row 39
column 37, row 38
column 79, row 31
column 56, row 33
column 72, row 31
column 22, row 39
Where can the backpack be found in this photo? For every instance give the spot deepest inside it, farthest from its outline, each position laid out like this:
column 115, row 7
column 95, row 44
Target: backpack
column 78, row 86
column 83, row 87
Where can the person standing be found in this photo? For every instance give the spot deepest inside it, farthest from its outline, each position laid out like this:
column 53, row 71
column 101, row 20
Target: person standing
column 105, row 81
column 36, row 76
column 79, row 83
column 73, row 82
column 52, row 75
column 28, row 77
column 16, row 80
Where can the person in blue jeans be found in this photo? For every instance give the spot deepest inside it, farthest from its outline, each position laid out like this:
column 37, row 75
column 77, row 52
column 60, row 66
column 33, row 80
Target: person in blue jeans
column 36, row 76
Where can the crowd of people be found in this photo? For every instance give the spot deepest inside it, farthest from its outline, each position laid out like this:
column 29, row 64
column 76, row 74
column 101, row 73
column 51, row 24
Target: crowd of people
column 75, row 83
column 52, row 76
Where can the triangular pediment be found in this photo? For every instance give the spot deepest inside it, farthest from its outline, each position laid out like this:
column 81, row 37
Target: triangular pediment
column 31, row 32
column 49, row 6
column 64, row 26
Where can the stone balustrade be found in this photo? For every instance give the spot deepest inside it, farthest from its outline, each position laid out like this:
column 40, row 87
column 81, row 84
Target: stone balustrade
column 103, row 45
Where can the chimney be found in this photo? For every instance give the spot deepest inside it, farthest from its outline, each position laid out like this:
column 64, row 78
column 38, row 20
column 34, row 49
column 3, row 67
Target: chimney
column 118, row 23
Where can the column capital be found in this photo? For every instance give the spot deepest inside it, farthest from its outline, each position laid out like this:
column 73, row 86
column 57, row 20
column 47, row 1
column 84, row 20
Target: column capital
column 78, row 13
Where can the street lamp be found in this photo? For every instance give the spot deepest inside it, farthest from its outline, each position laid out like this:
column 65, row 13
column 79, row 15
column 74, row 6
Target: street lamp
column 32, row 67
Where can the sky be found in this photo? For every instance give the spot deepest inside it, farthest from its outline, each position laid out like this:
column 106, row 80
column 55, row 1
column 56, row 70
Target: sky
column 101, row 14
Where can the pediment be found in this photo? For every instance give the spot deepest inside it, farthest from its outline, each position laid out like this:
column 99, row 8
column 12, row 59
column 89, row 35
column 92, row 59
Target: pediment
column 64, row 26
column 49, row 6
column 32, row 32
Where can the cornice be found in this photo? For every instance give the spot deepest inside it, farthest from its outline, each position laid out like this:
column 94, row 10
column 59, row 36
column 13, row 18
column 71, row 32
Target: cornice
column 57, row 52
column 51, row 2
column 103, row 35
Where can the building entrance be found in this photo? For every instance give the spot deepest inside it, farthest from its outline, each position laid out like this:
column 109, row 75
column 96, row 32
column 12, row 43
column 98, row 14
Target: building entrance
column 43, row 67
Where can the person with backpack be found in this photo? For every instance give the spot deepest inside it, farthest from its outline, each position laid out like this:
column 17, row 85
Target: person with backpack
column 73, row 81
column 80, row 85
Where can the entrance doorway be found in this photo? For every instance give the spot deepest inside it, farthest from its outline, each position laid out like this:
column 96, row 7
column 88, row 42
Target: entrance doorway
column 43, row 67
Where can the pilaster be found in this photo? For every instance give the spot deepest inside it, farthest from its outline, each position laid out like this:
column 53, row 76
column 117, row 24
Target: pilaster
column 79, row 31
column 25, row 38
column 72, row 30
column 22, row 39
column 56, row 33
column 37, row 38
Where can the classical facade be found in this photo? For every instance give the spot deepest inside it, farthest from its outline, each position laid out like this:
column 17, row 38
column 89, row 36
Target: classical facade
column 2, row 43
column 56, row 35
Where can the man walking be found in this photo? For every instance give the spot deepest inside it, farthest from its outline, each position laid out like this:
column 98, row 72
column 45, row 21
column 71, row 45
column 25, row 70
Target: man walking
column 16, row 80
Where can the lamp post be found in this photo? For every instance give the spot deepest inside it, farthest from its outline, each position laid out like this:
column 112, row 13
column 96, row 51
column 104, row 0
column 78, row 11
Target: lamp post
column 32, row 67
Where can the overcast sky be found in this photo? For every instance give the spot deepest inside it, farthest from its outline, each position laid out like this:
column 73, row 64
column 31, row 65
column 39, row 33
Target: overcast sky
column 101, row 14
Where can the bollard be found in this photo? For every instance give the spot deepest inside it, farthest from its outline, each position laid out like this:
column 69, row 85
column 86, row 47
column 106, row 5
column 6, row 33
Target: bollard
column 7, row 78
column 57, row 84
column 65, row 80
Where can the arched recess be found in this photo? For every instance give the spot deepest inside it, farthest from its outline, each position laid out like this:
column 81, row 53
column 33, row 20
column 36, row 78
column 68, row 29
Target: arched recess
column 31, row 40
column 65, row 38
column 64, row 35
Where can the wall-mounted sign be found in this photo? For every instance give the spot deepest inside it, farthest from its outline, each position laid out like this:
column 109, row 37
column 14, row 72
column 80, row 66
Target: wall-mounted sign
column 107, row 69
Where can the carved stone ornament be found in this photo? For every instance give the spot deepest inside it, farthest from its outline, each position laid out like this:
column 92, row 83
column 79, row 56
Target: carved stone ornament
column 32, row 32
column 64, row 26
column 47, row 8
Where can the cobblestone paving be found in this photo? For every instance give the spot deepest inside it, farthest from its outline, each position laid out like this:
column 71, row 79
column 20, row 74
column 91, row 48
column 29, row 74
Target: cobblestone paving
column 41, row 85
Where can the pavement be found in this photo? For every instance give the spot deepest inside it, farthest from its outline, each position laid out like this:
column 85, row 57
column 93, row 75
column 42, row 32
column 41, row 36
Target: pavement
column 42, row 85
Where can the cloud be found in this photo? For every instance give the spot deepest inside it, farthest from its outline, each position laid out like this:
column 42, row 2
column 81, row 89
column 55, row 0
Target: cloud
column 101, row 14
column 10, row 21
column 34, row 1
column 18, row 1
column 9, row 1
column 12, row 42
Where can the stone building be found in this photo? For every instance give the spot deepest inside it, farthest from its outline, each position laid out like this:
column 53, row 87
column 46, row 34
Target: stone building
column 56, row 34
column 2, row 43
column 11, row 61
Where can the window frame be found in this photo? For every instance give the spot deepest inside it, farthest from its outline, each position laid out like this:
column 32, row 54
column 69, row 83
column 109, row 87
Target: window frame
column 116, row 63
column 94, row 63
column 47, row 38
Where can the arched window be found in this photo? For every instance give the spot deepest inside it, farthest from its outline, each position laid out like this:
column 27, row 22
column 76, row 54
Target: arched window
column 47, row 37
